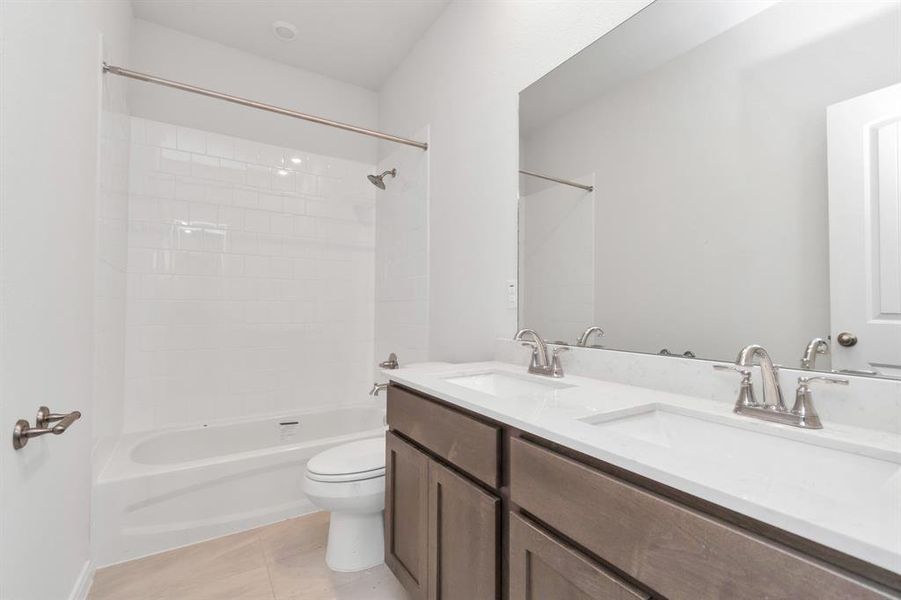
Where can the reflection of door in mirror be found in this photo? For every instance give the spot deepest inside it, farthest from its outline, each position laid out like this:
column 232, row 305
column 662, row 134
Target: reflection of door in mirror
column 864, row 139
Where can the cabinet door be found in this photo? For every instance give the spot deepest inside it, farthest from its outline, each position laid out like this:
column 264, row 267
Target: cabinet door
column 406, row 514
column 543, row 568
column 463, row 538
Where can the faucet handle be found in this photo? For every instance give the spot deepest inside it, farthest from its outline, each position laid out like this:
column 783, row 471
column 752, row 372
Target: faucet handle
column 746, row 393
column 556, row 367
column 805, row 381
column 745, row 373
column 803, row 407
column 533, row 361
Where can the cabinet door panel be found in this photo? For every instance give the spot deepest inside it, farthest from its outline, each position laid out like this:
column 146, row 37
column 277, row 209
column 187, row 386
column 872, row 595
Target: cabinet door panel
column 406, row 514
column 463, row 538
column 542, row 567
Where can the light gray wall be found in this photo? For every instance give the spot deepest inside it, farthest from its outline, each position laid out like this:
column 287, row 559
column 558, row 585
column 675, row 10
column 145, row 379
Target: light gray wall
column 462, row 80
column 175, row 55
column 711, row 183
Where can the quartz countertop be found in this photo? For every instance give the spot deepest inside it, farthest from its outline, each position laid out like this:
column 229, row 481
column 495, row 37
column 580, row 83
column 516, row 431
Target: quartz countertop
column 854, row 510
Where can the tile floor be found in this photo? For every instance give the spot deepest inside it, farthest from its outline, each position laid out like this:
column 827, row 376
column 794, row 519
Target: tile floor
column 284, row 561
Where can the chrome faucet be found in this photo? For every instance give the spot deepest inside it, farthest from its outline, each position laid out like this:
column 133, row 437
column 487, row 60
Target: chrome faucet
column 772, row 406
column 816, row 346
column 583, row 339
column 540, row 365
column 391, row 363
column 772, row 393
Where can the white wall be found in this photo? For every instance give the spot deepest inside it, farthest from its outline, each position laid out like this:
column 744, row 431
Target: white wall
column 250, row 286
column 174, row 55
column 50, row 102
column 402, row 256
column 462, row 80
column 711, row 182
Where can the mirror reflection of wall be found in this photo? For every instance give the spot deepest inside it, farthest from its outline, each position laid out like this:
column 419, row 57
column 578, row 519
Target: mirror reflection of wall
column 708, row 228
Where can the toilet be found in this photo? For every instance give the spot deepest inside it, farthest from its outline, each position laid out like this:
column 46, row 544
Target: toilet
column 349, row 482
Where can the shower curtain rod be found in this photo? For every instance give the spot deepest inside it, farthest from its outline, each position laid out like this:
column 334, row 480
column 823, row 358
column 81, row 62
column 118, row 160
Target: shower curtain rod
column 587, row 188
column 123, row 72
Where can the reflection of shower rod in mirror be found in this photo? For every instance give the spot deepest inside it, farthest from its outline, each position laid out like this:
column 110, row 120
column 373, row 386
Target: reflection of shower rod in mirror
column 587, row 188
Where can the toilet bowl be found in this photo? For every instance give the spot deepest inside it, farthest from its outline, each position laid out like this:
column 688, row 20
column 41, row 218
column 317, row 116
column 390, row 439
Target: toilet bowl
column 349, row 482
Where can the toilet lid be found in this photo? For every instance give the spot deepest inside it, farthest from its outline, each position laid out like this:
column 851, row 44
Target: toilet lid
column 363, row 458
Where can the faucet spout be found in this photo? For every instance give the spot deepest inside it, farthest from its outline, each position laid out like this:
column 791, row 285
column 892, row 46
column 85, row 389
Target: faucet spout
column 540, row 346
column 772, row 392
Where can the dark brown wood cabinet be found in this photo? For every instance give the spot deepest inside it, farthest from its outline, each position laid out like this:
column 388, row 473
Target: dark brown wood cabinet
column 406, row 514
column 671, row 548
column 475, row 509
column 463, row 534
column 543, row 567
column 441, row 529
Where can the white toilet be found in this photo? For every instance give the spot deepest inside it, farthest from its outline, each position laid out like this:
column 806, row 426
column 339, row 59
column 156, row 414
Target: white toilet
column 349, row 482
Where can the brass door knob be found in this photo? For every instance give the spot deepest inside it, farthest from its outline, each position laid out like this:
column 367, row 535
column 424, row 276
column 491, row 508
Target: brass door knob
column 846, row 339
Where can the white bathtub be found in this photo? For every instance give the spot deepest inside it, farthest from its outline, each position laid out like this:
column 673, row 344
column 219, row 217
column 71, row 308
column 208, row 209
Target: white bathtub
column 165, row 489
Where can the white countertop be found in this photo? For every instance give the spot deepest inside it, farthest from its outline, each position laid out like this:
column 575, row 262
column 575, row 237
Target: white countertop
column 856, row 511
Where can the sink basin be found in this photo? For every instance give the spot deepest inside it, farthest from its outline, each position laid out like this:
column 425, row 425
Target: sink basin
column 750, row 457
column 506, row 385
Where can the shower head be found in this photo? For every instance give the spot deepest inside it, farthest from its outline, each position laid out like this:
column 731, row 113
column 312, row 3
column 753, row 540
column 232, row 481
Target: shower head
column 379, row 180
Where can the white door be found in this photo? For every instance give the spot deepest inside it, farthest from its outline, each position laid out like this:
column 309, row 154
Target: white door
column 49, row 102
column 864, row 139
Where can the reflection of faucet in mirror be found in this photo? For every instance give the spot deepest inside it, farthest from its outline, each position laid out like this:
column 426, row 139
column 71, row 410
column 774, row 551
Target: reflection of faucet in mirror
column 686, row 354
column 816, row 346
column 583, row 339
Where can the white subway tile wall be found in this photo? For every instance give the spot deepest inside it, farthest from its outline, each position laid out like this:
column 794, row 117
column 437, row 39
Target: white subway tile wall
column 250, row 279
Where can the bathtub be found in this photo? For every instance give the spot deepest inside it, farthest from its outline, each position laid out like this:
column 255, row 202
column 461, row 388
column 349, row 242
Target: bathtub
column 164, row 489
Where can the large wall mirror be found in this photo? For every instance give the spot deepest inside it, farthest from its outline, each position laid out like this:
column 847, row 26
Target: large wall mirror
column 730, row 174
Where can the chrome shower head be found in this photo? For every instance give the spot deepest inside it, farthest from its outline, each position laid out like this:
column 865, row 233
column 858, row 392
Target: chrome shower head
column 379, row 180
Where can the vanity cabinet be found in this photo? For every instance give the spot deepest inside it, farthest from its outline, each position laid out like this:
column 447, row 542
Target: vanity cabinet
column 544, row 567
column 671, row 548
column 441, row 529
column 476, row 509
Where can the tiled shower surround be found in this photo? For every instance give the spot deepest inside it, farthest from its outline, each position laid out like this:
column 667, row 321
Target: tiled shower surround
column 250, row 279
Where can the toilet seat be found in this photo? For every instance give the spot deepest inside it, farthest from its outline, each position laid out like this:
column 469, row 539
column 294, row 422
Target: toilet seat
column 354, row 461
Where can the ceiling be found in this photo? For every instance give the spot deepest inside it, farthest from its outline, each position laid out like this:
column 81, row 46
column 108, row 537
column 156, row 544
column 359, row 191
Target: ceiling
column 356, row 41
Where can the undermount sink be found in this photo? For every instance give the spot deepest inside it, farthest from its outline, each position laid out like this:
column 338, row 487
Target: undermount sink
column 750, row 454
column 505, row 385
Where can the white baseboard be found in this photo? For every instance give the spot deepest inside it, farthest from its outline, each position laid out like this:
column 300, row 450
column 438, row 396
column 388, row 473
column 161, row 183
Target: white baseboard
column 83, row 584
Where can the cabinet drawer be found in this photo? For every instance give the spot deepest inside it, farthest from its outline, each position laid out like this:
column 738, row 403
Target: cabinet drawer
column 543, row 567
column 461, row 440
column 674, row 550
